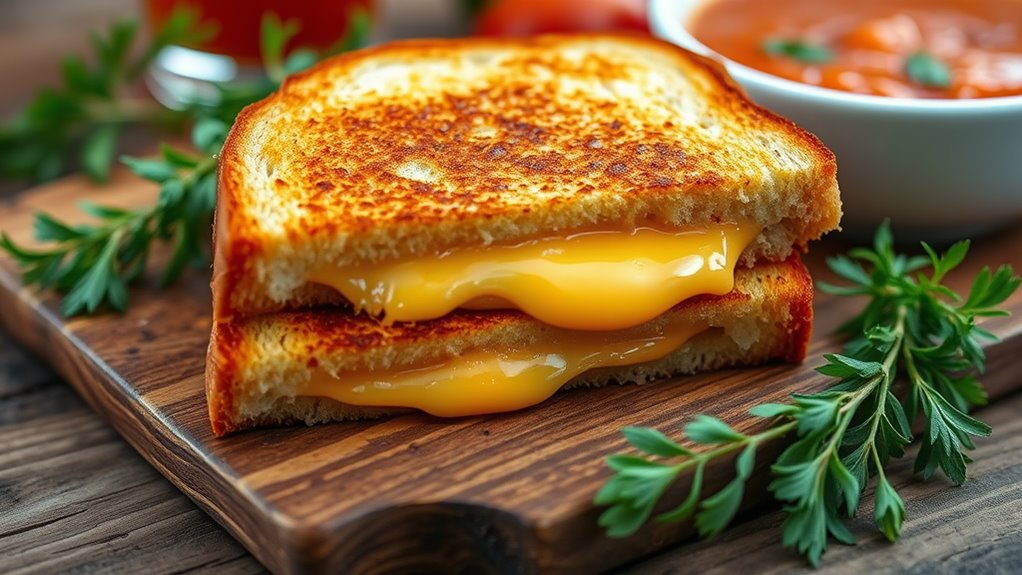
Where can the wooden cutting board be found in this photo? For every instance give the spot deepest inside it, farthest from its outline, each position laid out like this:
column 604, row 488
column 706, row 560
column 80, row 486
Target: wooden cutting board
column 504, row 494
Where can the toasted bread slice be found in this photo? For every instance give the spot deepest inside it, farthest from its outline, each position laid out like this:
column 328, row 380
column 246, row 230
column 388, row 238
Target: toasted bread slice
column 414, row 148
column 257, row 366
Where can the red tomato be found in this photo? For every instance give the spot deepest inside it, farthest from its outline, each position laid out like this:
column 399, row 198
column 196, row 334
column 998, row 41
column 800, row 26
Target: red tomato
column 525, row 17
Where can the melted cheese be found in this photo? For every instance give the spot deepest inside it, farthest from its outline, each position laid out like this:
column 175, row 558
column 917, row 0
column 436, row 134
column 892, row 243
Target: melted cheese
column 598, row 280
column 484, row 382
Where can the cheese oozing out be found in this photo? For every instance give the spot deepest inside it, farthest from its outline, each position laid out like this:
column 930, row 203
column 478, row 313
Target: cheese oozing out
column 592, row 280
column 480, row 382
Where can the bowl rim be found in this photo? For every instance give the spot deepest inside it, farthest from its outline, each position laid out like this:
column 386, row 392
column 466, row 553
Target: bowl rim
column 667, row 21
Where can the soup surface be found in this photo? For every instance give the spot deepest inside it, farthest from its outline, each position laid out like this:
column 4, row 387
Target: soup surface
column 900, row 48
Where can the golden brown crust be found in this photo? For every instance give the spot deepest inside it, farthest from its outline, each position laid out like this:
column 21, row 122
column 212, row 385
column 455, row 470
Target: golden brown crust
column 276, row 350
column 413, row 147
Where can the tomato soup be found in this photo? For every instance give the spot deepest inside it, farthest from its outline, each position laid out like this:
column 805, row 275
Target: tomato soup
column 899, row 48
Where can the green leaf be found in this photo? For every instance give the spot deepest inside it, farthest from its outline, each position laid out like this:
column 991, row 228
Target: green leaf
column 688, row 506
column 273, row 40
column 180, row 257
column 816, row 414
column 98, row 152
column 768, row 410
column 719, row 509
column 637, row 466
column 849, row 270
column 844, row 366
column 91, row 289
column 177, row 158
column 883, row 241
column 653, row 442
column 845, row 482
column 896, row 413
column 705, row 429
column 989, row 290
column 805, row 529
column 117, row 293
column 889, row 509
column 204, row 191
column 926, row 70
column 801, row 50
column 794, row 482
column 857, row 462
column 360, row 28
column 44, row 272
column 951, row 259
column 103, row 212
column 611, row 491
column 623, row 520
column 632, row 493
column 837, row 529
column 154, row 170
column 746, row 462
column 19, row 253
column 209, row 134
column 299, row 60
column 843, row 291
column 113, row 51
column 960, row 420
column 77, row 77
column 971, row 392
column 48, row 229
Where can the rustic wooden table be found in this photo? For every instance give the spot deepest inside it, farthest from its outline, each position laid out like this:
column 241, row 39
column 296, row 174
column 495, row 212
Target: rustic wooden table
column 75, row 497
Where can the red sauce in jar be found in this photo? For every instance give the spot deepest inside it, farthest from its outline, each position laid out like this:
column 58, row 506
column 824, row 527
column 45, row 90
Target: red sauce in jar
column 900, row 48
column 237, row 24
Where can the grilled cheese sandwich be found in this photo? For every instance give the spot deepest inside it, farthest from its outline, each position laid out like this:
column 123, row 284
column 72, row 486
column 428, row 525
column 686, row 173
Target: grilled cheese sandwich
column 611, row 197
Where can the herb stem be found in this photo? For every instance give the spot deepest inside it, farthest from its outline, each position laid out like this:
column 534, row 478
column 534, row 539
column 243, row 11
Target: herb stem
column 765, row 435
column 898, row 347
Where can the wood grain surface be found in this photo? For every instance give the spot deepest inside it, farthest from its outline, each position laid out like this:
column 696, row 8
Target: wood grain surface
column 74, row 497
column 505, row 493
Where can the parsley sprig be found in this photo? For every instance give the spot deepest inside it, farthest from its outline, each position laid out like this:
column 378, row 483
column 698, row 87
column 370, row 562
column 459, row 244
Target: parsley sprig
column 913, row 356
column 94, row 263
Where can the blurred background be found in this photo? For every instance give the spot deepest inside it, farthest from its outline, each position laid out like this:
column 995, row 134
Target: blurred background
column 35, row 35
column 79, row 75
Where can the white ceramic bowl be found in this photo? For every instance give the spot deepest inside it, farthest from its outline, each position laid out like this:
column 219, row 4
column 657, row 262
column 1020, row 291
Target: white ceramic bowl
column 937, row 168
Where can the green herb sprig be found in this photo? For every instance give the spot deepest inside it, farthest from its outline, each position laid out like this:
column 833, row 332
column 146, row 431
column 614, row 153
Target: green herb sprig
column 915, row 331
column 84, row 117
column 926, row 70
column 94, row 263
column 801, row 50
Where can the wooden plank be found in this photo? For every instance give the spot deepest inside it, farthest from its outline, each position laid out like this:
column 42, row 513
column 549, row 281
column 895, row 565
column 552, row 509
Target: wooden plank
column 74, row 496
column 505, row 493
column 982, row 532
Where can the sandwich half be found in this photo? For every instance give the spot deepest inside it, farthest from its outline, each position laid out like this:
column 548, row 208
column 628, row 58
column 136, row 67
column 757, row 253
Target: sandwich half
column 414, row 178
column 433, row 211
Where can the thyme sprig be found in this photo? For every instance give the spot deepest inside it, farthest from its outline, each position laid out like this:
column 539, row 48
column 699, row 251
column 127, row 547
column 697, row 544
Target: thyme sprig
column 94, row 263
